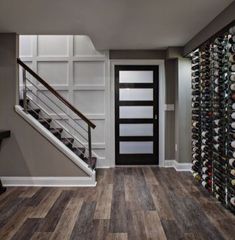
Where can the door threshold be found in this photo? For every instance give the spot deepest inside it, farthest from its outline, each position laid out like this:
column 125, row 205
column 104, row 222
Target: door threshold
column 135, row 166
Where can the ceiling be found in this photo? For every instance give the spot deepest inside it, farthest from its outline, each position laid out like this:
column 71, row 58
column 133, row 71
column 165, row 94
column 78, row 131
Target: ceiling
column 113, row 24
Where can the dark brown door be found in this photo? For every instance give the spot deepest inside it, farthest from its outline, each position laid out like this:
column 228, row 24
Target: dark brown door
column 136, row 115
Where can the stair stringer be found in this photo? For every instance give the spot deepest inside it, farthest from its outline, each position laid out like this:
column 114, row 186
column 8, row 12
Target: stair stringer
column 57, row 143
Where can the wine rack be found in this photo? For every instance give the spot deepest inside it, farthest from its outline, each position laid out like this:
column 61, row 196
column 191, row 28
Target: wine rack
column 196, row 119
column 213, row 116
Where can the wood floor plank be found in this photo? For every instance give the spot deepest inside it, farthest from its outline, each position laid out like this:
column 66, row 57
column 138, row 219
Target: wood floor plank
column 51, row 219
column 41, row 236
column 9, row 210
column 161, row 202
column 103, row 206
column 153, row 226
column 118, row 219
column 144, row 196
column 29, row 192
column 68, row 219
column 149, row 176
column 38, row 197
column 14, row 223
column 84, row 225
column 27, row 230
column 41, row 210
column 117, row 236
column 135, row 226
column 171, row 230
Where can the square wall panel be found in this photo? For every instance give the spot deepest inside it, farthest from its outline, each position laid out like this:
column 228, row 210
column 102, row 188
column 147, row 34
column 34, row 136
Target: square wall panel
column 51, row 45
column 89, row 102
column 89, row 73
column 55, row 73
column 26, row 46
column 51, row 103
column 97, row 134
column 83, row 46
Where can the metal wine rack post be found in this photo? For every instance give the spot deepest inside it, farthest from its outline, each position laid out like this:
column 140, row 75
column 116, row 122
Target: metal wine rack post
column 206, row 117
column 196, row 118
column 230, row 57
column 219, row 119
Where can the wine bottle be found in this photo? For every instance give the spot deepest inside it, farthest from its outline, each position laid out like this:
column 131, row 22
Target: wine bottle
column 206, row 170
column 196, row 92
column 194, row 111
column 232, row 201
column 195, row 73
column 195, row 168
column 196, row 124
column 232, row 87
column 233, row 182
column 206, row 185
column 232, row 77
column 232, row 68
column 233, row 125
column 205, row 177
column 233, row 144
column 232, row 58
column 232, row 162
column 232, row 30
column 219, row 197
column 195, row 118
column 196, row 176
column 233, row 106
column 232, row 40
column 232, row 172
column 205, row 134
column 233, row 115
column 218, row 130
column 195, row 136
column 195, row 61
column 218, row 81
column 195, row 105
column 196, row 163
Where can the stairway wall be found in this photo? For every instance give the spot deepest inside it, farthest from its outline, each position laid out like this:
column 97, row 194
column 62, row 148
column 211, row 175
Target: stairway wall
column 78, row 72
column 26, row 152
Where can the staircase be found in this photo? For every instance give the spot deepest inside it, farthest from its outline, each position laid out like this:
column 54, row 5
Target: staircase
column 76, row 137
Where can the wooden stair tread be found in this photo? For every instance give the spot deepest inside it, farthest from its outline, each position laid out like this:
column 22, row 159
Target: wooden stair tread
column 67, row 141
column 56, row 130
column 92, row 162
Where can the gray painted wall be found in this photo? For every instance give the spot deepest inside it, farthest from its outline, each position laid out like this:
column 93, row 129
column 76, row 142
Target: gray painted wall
column 183, row 111
column 26, row 152
column 224, row 18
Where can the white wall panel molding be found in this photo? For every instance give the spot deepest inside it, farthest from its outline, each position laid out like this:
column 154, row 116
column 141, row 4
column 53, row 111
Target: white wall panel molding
column 80, row 73
column 169, row 107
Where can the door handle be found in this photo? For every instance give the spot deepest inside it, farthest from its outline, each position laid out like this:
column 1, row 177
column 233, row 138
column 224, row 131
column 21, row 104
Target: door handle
column 155, row 116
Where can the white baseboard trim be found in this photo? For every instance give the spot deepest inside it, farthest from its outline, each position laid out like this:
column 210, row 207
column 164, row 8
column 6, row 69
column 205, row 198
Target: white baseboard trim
column 179, row 167
column 48, row 181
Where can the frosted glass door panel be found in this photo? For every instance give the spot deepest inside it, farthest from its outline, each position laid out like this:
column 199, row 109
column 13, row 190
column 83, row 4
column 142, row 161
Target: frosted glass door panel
column 136, row 147
column 136, row 76
column 136, row 112
column 136, row 94
column 136, row 129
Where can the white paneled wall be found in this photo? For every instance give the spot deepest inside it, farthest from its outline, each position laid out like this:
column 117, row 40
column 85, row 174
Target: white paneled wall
column 79, row 73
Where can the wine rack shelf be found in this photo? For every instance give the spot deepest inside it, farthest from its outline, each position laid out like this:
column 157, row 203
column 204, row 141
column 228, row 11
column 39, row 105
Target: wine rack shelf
column 213, row 117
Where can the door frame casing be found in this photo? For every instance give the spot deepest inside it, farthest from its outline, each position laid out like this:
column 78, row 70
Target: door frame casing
column 161, row 107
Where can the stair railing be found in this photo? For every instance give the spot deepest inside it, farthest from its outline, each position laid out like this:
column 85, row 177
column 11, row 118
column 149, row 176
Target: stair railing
column 26, row 95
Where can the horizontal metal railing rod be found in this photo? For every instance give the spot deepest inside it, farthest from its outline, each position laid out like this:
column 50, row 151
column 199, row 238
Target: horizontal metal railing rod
column 57, row 122
column 61, row 110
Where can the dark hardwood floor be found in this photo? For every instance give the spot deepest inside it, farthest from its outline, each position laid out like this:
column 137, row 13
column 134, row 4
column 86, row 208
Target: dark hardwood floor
column 128, row 203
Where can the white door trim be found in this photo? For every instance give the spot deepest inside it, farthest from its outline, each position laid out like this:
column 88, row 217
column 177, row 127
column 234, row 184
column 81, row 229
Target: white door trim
column 111, row 141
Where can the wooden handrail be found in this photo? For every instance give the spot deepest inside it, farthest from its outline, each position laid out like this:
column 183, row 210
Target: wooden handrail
column 52, row 90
